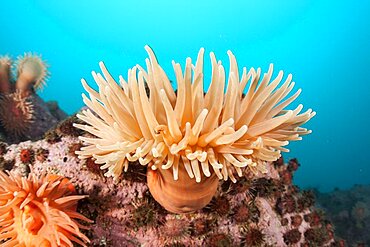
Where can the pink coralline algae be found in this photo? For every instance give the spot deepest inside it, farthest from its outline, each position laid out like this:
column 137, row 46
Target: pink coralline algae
column 266, row 210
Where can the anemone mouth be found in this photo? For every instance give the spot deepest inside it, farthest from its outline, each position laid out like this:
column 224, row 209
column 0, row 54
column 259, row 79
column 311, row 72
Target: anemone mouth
column 16, row 114
column 227, row 130
column 35, row 67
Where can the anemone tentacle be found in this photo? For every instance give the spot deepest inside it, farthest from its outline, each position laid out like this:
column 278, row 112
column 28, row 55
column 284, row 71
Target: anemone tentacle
column 224, row 131
column 31, row 71
column 39, row 212
column 16, row 114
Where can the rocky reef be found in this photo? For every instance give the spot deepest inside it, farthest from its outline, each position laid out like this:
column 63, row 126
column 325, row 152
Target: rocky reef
column 260, row 211
column 57, row 191
column 349, row 210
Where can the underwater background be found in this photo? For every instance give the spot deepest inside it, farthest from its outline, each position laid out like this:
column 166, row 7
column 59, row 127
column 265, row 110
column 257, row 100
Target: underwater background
column 324, row 44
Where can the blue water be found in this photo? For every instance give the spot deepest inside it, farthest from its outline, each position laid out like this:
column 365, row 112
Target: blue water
column 324, row 44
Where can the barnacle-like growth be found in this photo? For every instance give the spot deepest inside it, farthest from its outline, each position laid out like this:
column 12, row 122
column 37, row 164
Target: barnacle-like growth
column 39, row 212
column 31, row 72
column 219, row 133
column 16, row 114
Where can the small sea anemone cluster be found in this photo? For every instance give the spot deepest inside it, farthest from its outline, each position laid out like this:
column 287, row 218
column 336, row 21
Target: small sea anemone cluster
column 248, row 216
column 16, row 107
column 302, row 224
column 258, row 210
column 39, row 212
column 200, row 136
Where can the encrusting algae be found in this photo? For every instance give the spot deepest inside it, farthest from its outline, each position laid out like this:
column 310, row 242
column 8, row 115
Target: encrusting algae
column 199, row 136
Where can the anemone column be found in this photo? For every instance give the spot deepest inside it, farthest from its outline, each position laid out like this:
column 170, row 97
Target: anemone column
column 5, row 85
column 31, row 74
column 191, row 137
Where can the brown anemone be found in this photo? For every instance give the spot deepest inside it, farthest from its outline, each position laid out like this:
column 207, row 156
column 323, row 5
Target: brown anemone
column 189, row 138
column 16, row 114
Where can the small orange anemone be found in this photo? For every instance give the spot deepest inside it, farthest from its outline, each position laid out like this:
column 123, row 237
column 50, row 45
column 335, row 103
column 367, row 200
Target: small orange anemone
column 39, row 212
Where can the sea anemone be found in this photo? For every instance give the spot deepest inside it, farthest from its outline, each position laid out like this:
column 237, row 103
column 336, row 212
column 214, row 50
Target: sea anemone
column 39, row 212
column 41, row 154
column 199, row 136
column 292, row 237
column 27, row 156
column 218, row 240
column 31, row 72
column 175, row 229
column 16, row 114
column 5, row 75
column 5, row 62
column 252, row 237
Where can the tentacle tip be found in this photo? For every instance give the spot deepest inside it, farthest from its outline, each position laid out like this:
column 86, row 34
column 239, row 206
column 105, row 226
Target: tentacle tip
column 205, row 110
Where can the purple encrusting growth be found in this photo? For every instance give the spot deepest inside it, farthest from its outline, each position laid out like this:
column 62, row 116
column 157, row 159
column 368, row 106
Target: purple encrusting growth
column 258, row 211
